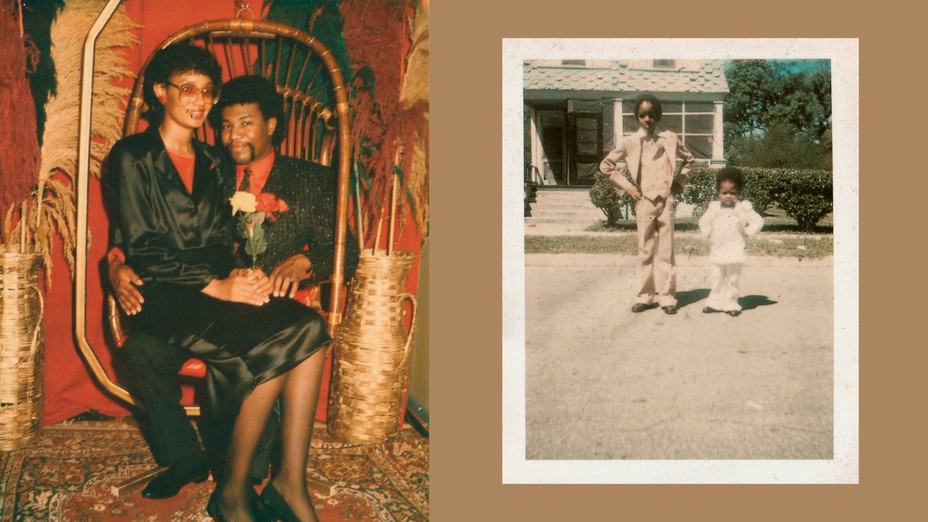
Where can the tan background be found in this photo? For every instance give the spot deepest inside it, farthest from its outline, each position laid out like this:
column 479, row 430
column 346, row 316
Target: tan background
column 465, row 345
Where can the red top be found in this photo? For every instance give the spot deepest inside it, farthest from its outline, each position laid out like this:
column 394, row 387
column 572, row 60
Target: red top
column 184, row 166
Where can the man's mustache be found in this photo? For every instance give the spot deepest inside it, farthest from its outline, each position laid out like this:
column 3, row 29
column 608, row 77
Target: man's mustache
column 251, row 150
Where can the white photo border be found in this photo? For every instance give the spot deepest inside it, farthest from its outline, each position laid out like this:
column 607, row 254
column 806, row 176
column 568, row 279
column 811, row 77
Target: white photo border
column 844, row 467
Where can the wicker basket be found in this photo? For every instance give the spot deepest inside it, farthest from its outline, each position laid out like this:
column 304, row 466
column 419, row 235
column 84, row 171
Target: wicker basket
column 371, row 355
column 22, row 349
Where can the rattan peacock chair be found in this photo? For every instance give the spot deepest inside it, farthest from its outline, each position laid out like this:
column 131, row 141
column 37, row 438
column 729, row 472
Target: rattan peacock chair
column 306, row 73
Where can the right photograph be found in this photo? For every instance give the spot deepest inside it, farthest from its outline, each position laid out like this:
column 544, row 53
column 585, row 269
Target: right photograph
column 688, row 258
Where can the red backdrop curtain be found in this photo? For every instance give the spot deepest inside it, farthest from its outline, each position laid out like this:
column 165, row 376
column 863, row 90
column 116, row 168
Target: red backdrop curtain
column 69, row 388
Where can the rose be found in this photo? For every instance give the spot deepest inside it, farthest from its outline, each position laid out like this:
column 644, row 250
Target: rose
column 252, row 210
column 244, row 202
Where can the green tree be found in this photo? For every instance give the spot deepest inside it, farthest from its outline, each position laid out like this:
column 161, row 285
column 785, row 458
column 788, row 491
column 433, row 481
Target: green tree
column 780, row 147
column 751, row 92
column 778, row 114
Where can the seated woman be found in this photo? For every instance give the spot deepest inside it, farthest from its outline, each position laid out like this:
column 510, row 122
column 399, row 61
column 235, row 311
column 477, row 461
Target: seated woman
column 172, row 218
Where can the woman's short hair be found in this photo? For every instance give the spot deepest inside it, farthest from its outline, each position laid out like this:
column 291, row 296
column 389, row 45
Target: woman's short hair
column 176, row 59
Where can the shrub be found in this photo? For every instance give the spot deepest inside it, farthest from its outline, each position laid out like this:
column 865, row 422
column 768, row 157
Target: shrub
column 700, row 190
column 605, row 197
column 759, row 189
column 804, row 195
column 781, row 147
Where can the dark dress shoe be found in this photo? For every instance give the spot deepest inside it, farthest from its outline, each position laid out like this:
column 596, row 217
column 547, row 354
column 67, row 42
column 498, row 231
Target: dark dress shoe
column 670, row 310
column 167, row 484
column 710, row 310
column 637, row 308
column 734, row 313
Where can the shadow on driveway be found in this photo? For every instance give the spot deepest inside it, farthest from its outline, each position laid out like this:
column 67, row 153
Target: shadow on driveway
column 748, row 302
column 688, row 297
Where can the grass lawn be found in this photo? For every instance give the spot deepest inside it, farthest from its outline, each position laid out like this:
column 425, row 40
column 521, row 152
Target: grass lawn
column 774, row 221
column 771, row 241
column 801, row 246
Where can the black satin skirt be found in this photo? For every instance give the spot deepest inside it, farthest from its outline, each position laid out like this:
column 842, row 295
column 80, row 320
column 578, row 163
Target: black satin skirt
column 269, row 339
column 242, row 346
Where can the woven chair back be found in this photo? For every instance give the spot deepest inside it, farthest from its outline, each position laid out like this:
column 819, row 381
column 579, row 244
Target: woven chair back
column 306, row 74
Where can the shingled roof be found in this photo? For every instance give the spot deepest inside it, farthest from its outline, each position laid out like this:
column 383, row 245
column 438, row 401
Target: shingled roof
column 709, row 77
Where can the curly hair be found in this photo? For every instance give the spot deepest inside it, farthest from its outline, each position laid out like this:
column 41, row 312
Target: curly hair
column 252, row 89
column 732, row 174
column 176, row 59
column 656, row 109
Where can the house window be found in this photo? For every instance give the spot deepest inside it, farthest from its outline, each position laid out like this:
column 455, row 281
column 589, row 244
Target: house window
column 664, row 64
column 692, row 121
column 588, row 134
column 573, row 62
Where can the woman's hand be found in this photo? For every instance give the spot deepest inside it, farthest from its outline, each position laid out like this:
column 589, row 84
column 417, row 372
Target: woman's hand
column 244, row 286
column 124, row 281
column 286, row 277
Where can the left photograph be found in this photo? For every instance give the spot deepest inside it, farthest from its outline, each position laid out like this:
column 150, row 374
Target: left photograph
column 214, row 249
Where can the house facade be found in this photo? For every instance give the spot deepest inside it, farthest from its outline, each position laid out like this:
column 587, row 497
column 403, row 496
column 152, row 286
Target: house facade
column 576, row 110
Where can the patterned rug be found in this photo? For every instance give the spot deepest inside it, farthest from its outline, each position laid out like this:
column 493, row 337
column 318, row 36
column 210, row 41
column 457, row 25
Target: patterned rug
column 67, row 473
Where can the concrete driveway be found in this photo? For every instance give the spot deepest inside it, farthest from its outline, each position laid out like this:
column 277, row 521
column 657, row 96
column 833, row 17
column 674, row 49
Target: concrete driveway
column 603, row 383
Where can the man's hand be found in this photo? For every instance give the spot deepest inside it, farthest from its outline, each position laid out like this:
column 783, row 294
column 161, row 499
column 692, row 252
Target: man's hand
column 244, row 286
column 124, row 282
column 634, row 192
column 286, row 277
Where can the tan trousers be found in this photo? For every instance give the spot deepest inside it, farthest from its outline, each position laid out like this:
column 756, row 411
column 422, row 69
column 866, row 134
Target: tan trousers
column 658, row 273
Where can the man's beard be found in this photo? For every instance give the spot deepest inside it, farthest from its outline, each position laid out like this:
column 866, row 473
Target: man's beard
column 251, row 153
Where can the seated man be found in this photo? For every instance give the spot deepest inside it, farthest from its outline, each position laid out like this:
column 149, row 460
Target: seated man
column 250, row 118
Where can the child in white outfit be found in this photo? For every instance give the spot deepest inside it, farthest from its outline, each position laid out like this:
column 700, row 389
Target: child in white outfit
column 725, row 224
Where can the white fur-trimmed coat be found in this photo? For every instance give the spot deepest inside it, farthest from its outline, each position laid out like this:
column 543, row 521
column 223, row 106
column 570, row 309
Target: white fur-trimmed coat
column 720, row 226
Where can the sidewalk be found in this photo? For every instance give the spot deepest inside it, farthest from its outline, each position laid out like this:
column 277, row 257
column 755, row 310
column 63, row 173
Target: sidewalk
column 603, row 383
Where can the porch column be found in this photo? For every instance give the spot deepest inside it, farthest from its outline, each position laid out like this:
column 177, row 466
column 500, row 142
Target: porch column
column 617, row 121
column 537, row 154
column 718, row 148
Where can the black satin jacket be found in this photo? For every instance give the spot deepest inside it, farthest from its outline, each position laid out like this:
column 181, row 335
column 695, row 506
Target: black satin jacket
column 169, row 236
column 309, row 189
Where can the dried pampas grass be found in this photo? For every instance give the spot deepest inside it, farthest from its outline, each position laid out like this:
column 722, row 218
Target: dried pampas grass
column 414, row 101
column 54, row 196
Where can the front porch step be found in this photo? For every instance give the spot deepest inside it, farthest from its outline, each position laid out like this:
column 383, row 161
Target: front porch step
column 564, row 205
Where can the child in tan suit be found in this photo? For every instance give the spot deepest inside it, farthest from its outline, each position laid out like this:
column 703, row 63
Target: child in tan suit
column 658, row 163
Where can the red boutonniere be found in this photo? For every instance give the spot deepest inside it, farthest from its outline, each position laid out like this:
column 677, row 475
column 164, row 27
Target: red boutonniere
column 271, row 205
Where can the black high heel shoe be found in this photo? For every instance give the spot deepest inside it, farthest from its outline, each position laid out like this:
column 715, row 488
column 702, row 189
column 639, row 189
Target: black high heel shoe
column 212, row 507
column 276, row 503
column 259, row 511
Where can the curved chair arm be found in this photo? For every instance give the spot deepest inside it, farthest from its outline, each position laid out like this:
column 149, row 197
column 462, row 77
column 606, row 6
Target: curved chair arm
column 250, row 31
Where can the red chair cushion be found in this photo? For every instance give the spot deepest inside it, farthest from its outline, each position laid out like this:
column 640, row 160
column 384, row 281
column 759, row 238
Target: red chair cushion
column 193, row 368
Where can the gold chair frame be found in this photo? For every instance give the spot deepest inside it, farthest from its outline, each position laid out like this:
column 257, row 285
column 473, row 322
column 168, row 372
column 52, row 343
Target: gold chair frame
column 315, row 131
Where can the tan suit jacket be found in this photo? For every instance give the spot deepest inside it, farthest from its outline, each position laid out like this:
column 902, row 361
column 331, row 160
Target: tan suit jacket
column 629, row 151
